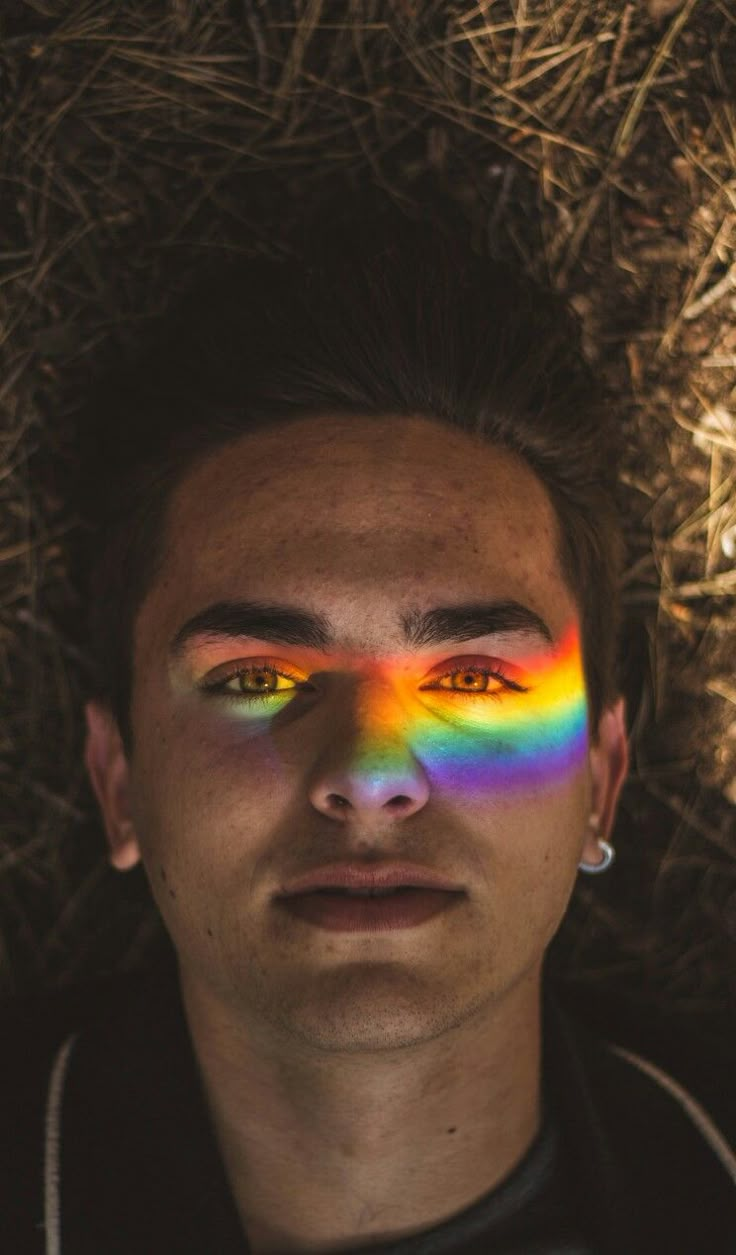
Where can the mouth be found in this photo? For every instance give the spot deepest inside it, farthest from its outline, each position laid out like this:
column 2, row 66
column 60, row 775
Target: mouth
column 370, row 879
column 368, row 893
column 343, row 910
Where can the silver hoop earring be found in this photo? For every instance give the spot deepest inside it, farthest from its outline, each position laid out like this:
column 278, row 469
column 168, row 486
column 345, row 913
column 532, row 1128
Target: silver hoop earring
column 594, row 869
column 609, row 854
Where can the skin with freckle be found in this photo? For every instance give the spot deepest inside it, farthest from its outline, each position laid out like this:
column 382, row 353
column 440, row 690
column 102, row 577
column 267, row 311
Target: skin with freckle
column 327, row 1058
column 489, row 744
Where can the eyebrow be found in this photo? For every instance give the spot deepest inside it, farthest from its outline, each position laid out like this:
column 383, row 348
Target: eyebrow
column 291, row 625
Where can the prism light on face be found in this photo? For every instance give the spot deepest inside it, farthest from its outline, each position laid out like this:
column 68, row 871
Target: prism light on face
column 522, row 726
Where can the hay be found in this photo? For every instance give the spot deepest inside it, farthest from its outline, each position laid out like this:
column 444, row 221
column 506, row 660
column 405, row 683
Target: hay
column 594, row 141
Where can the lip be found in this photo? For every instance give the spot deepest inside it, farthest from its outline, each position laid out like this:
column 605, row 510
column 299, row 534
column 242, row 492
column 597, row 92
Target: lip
column 369, row 876
column 342, row 914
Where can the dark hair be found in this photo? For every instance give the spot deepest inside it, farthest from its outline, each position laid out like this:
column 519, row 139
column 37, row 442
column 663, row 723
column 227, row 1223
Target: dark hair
column 371, row 314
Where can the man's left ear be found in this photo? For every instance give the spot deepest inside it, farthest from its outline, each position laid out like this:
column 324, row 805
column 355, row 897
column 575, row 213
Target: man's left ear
column 609, row 765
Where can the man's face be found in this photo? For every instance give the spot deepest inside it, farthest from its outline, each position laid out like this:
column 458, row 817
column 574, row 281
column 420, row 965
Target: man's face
column 388, row 751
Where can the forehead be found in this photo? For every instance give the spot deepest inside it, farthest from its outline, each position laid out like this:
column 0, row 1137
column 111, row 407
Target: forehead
column 371, row 507
column 358, row 476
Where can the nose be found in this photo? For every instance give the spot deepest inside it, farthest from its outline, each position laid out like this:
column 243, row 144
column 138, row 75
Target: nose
column 368, row 769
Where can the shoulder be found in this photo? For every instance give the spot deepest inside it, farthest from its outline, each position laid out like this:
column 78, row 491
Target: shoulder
column 33, row 1031
column 33, row 1024
column 690, row 1056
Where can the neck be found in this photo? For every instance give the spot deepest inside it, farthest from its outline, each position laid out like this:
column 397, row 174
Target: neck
column 330, row 1149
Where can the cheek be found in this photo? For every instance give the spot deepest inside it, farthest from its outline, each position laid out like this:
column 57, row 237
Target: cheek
column 537, row 853
column 206, row 809
column 181, row 831
column 209, row 798
column 191, row 868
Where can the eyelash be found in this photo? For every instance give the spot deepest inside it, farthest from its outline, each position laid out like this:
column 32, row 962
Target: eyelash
column 218, row 688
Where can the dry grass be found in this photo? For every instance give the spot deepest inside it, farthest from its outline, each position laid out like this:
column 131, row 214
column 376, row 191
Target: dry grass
column 595, row 141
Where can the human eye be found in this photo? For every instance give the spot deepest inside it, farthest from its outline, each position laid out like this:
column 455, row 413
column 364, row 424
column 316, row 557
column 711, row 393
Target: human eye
column 475, row 678
column 259, row 681
column 261, row 677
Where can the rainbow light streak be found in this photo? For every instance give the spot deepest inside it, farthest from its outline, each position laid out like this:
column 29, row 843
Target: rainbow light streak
column 473, row 743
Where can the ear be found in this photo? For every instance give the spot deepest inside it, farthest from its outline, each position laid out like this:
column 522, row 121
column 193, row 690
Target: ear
column 609, row 764
column 109, row 773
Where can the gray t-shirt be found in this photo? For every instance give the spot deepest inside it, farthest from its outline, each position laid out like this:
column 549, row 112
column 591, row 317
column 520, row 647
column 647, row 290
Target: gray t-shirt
column 531, row 1212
